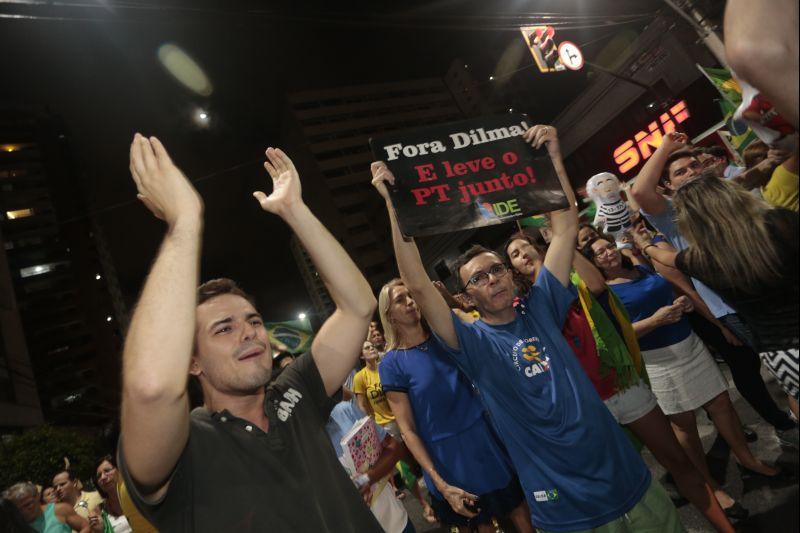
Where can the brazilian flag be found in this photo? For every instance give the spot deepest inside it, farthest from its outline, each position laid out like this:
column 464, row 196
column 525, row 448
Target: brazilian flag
column 725, row 83
column 536, row 221
column 741, row 134
column 731, row 92
column 295, row 334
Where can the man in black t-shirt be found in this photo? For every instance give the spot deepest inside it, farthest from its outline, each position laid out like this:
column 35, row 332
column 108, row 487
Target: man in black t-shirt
column 253, row 457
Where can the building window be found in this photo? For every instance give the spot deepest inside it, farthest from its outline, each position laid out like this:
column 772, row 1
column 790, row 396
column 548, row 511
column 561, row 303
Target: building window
column 20, row 213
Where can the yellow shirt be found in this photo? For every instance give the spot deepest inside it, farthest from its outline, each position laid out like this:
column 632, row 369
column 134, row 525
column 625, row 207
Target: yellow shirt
column 782, row 189
column 368, row 382
column 87, row 501
column 138, row 523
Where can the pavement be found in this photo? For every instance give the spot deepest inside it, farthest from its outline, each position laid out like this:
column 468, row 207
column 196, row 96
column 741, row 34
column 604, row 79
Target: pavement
column 772, row 509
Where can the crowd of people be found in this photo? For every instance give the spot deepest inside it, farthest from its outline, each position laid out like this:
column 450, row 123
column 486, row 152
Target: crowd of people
column 524, row 395
column 65, row 505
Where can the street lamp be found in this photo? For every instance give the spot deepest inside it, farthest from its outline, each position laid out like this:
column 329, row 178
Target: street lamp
column 301, row 316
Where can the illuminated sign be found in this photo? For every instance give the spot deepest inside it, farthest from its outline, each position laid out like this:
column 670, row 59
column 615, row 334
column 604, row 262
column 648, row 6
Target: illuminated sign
column 629, row 154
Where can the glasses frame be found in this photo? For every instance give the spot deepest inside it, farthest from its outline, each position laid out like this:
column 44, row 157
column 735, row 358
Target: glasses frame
column 498, row 270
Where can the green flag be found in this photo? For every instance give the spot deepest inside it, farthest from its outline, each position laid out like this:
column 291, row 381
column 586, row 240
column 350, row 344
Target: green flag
column 725, row 83
column 295, row 334
column 536, row 221
column 728, row 87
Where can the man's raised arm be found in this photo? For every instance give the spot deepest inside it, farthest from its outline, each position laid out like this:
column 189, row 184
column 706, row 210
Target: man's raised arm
column 426, row 295
column 644, row 191
column 337, row 345
column 563, row 223
column 158, row 346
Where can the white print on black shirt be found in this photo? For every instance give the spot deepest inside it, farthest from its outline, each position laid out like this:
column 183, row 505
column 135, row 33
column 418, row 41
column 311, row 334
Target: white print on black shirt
column 290, row 399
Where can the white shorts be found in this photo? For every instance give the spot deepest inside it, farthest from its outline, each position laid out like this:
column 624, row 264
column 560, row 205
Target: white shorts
column 632, row 403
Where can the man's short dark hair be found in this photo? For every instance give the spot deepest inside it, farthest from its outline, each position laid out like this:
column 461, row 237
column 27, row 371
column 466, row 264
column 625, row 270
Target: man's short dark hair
column 473, row 251
column 205, row 292
column 217, row 287
column 70, row 473
column 674, row 156
column 717, row 151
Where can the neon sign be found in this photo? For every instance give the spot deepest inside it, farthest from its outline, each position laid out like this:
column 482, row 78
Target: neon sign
column 637, row 150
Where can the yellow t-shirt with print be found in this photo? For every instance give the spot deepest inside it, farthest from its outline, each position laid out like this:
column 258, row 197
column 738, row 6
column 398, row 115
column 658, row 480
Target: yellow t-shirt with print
column 782, row 189
column 368, row 383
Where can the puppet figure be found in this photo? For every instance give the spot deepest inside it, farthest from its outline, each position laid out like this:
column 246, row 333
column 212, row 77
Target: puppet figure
column 613, row 216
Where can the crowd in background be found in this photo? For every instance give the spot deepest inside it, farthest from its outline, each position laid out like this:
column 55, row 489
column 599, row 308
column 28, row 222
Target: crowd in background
column 650, row 308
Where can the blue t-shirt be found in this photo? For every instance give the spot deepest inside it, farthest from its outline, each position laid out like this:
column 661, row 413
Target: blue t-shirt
column 576, row 466
column 665, row 223
column 449, row 417
column 644, row 296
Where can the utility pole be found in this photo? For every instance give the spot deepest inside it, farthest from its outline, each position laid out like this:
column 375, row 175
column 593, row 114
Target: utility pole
column 703, row 28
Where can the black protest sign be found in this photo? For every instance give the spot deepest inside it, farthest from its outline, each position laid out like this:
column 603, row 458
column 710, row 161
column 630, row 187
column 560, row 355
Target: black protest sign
column 467, row 174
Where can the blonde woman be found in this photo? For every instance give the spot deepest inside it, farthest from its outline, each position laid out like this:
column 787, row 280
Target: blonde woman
column 444, row 424
column 748, row 253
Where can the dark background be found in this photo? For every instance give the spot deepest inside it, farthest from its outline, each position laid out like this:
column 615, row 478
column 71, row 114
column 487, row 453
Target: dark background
column 95, row 65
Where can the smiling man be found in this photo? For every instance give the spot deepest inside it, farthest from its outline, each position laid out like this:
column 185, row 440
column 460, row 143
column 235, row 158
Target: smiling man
column 253, row 457
column 576, row 466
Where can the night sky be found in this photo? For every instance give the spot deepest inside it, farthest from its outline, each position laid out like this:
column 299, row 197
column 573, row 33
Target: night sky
column 97, row 68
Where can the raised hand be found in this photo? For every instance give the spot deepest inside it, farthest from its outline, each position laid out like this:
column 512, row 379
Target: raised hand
column 161, row 186
column 541, row 134
column 776, row 156
column 286, row 192
column 674, row 141
column 380, row 176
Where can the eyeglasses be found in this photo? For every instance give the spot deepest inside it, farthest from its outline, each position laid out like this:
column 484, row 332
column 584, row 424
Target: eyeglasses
column 498, row 270
column 605, row 249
